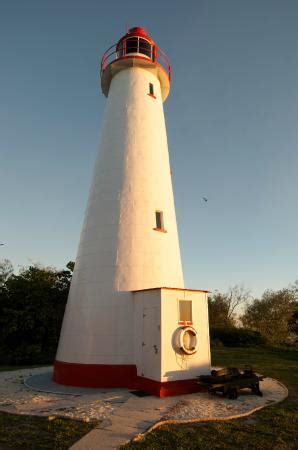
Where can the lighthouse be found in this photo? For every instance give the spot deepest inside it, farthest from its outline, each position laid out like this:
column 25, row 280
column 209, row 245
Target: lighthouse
column 129, row 321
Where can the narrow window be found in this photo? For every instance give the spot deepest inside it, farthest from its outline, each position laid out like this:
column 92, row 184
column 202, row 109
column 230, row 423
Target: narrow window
column 151, row 89
column 185, row 312
column 159, row 220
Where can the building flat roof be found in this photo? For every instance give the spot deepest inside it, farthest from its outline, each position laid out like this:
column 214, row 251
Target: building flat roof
column 173, row 289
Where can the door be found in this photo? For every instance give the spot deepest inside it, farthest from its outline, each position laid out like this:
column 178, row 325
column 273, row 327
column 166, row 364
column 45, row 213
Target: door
column 151, row 343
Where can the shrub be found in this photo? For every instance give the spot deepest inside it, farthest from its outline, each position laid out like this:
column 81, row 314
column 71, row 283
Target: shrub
column 31, row 311
column 273, row 316
column 235, row 337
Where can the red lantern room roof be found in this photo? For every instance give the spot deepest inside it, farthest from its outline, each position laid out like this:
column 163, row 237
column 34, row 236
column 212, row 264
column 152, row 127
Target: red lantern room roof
column 137, row 32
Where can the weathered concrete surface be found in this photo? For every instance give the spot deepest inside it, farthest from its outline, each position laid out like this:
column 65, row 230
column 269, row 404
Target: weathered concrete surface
column 140, row 414
column 135, row 416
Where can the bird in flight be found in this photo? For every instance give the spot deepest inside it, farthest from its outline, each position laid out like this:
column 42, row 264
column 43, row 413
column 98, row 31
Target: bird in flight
column 2, row 244
column 205, row 199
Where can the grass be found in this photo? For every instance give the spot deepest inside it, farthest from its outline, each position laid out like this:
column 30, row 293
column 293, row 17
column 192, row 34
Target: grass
column 38, row 433
column 274, row 427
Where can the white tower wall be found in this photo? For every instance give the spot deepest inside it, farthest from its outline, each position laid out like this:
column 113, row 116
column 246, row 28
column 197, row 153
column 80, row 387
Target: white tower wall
column 119, row 249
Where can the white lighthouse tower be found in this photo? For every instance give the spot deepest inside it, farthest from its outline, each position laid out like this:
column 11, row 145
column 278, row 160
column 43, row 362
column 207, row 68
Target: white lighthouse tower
column 129, row 321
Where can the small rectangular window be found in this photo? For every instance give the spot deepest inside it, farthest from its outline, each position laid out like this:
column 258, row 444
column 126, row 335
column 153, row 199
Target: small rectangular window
column 159, row 220
column 151, row 89
column 185, row 312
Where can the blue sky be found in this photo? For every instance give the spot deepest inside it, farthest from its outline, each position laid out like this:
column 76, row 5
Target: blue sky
column 231, row 119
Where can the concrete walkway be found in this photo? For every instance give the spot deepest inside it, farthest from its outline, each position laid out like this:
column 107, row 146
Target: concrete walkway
column 130, row 419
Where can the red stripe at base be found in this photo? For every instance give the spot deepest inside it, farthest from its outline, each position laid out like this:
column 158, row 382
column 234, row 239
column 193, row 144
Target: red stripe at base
column 169, row 388
column 95, row 375
column 119, row 376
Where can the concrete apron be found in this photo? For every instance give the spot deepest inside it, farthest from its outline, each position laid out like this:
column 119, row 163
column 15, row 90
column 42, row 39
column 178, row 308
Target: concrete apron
column 139, row 416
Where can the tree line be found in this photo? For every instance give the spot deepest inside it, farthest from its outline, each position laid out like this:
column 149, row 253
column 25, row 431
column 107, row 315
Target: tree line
column 32, row 305
column 272, row 319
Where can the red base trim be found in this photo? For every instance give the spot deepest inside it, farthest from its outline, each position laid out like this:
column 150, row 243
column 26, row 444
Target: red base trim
column 119, row 376
column 95, row 375
column 169, row 388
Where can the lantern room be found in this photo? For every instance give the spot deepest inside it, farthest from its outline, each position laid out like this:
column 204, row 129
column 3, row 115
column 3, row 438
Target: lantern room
column 135, row 49
column 136, row 41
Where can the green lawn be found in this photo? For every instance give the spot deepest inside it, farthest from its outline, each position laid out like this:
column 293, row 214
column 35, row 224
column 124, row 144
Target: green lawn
column 37, row 433
column 274, row 427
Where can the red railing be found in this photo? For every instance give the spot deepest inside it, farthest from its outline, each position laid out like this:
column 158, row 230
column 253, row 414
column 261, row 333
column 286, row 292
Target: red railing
column 152, row 52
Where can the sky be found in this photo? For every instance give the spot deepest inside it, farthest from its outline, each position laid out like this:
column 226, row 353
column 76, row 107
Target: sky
column 231, row 121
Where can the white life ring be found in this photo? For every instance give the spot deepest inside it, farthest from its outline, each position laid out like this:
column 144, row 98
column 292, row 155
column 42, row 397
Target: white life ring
column 188, row 341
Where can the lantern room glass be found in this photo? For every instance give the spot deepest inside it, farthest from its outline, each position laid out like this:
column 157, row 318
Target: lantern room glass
column 134, row 45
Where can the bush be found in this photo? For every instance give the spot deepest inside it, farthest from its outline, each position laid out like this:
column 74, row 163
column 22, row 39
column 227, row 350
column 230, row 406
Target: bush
column 32, row 305
column 273, row 316
column 235, row 337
